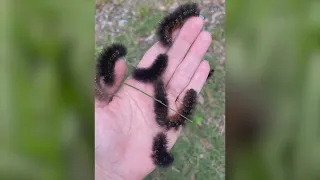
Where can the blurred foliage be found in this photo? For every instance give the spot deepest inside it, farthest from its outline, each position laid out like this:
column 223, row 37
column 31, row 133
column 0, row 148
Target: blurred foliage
column 274, row 46
column 47, row 119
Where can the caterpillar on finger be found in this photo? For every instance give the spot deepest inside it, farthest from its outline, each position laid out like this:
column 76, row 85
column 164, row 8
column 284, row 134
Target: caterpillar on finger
column 175, row 20
column 107, row 60
column 105, row 75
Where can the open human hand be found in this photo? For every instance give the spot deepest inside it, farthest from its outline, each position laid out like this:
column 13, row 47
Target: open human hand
column 125, row 126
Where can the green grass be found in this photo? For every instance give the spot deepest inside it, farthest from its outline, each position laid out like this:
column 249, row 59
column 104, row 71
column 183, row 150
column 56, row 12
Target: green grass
column 217, row 33
column 149, row 24
column 143, row 10
column 199, row 152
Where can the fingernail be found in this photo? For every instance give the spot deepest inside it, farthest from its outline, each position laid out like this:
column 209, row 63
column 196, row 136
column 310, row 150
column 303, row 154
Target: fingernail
column 202, row 17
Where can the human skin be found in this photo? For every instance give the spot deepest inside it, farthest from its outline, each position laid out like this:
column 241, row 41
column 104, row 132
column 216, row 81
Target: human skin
column 125, row 127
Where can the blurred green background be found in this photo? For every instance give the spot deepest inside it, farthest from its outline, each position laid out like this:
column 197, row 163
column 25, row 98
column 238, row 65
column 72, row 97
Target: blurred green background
column 47, row 117
column 274, row 46
column 199, row 152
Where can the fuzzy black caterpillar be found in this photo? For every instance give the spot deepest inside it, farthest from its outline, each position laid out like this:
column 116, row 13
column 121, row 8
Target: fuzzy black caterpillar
column 175, row 20
column 107, row 60
column 152, row 73
column 161, row 112
column 160, row 155
column 188, row 105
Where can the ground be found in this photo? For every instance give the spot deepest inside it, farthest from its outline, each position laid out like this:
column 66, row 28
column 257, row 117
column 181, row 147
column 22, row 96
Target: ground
column 199, row 152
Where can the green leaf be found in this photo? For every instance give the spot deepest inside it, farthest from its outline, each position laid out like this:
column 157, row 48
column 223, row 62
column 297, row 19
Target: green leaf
column 198, row 118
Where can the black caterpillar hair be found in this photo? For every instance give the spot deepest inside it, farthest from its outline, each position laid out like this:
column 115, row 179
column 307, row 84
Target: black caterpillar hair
column 152, row 73
column 160, row 155
column 175, row 20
